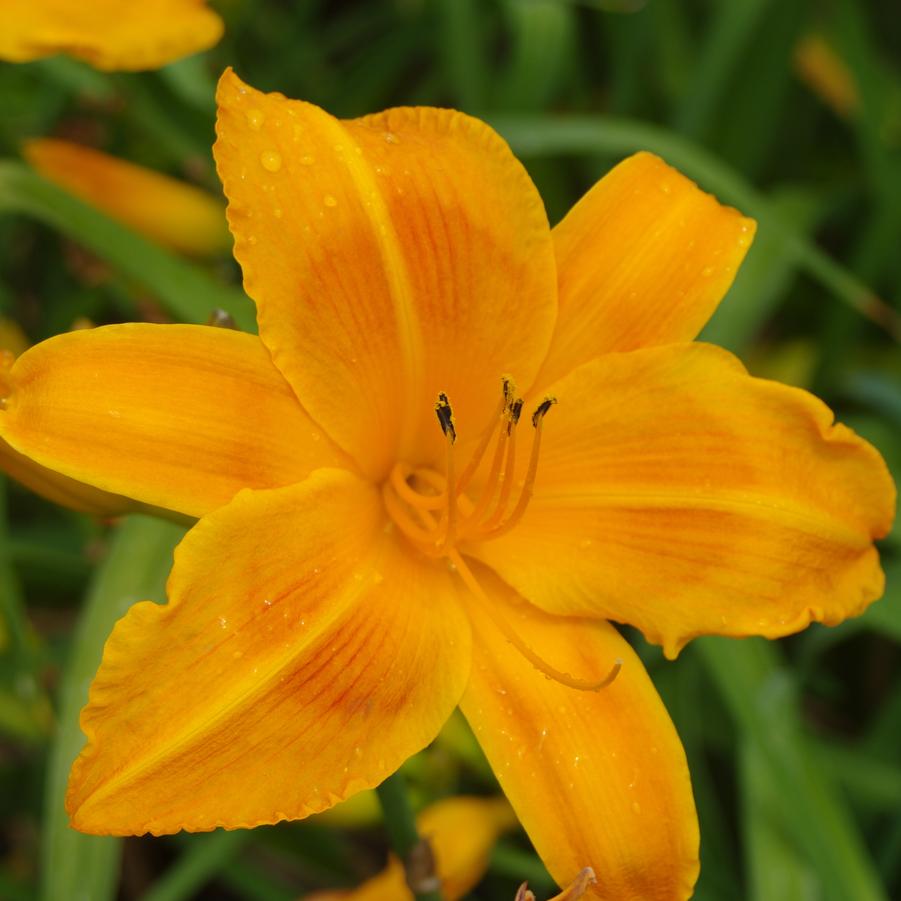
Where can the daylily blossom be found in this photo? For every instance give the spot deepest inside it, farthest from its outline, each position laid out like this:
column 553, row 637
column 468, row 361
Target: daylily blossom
column 108, row 34
column 163, row 209
column 461, row 833
column 395, row 518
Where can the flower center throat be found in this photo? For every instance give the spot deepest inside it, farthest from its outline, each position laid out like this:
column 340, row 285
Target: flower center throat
column 436, row 514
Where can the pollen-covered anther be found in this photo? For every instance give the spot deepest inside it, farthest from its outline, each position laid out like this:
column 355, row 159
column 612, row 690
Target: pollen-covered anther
column 445, row 416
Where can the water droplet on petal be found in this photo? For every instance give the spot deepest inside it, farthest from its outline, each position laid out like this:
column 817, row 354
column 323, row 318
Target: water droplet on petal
column 329, row 201
column 636, row 807
column 307, row 160
column 271, row 160
column 223, row 622
column 255, row 119
column 390, row 138
column 707, row 271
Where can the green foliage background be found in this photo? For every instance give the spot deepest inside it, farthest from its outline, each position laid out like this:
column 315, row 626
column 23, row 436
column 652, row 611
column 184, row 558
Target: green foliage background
column 795, row 746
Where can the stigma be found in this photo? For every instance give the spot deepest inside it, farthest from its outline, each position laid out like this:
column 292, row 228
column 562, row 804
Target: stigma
column 436, row 511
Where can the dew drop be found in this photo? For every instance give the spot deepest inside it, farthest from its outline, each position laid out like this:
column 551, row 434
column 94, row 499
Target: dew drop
column 267, row 602
column 277, row 212
column 271, row 160
column 238, row 655
column 255, row 119
column 707, row 271
column 390, row 137
column 307, row 160
column 329, row 201
column 636, row 807
column 585, row 543
column 666, row 187
column 223, row 622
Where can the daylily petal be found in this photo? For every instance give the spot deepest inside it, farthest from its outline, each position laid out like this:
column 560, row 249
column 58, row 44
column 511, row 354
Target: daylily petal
column 304, row 654
column 598, row 779
column 176, row 416
column 390, row 258
column 108, row 34
column 461, row 831
column 642, row 259
column 45, row 482
column 168, row 211
column 59, row 489
column 680, row 495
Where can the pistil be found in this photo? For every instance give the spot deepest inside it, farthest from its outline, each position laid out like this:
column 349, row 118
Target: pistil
column 435, row 515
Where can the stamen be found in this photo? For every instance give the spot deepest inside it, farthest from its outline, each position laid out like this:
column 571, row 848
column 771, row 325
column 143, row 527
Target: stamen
column 508, row 391
column 509, row 470
column 399, row 476
column 574, row 892
column 490, row 486
column 529, row 484
column 451, row 491
column 446, row 417
column 541, row 665
column 425, row 540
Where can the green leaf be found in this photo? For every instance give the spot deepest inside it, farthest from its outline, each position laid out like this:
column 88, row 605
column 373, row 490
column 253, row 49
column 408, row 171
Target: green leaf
column 761, row 697
column 186, row 291
column 87, row 866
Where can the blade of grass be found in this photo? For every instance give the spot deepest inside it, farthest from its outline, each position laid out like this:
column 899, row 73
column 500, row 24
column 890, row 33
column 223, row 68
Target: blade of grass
column 542, row 34
column 24, row 707
column 461, row 52
column 543, row 136
column 201, row 861
column 761, row 697
column 186, row 291
column 76, row 866
column 731, row 32
column 776, row 871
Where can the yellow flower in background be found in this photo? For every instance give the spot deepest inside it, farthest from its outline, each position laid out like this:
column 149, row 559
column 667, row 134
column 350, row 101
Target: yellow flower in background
column 387, row 564
column 108, row 34
column 46, row 482
column 163, row 209
column 826, row 74
column 461, row 833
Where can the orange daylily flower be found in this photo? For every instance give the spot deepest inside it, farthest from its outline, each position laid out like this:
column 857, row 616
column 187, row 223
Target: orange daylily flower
column 46, row 482
column 168, row 211
column 461, row 833
column 108, row 34
column 358, row 571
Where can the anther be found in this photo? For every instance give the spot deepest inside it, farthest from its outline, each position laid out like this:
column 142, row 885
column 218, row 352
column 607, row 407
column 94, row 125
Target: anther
column 542, row 408
column 446, row 417
column 515, row 411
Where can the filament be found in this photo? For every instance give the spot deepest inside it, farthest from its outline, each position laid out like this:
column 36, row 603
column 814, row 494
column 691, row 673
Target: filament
column 508, row 632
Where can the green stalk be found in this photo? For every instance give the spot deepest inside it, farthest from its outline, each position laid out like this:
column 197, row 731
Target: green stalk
column 401, row 824
column 77, row 866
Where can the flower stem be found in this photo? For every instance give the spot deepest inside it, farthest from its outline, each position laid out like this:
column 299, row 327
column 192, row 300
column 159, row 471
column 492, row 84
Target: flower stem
column 405, row 840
